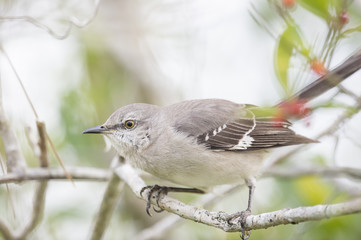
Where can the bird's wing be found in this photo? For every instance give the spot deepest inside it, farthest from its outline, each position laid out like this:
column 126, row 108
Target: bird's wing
column 251, row 134
column 224, row 125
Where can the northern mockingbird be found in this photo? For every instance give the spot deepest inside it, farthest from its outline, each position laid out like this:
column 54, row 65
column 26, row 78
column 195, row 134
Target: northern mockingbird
column 203, row 143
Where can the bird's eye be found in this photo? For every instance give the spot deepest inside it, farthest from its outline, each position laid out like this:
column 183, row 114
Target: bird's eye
column 129, row 124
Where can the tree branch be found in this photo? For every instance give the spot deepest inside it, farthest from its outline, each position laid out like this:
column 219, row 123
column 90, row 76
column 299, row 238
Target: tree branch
column 15, row 161
column 165, row 224
column 5, row 231
column 282, row 172
column 40, row 193
column 37, row 211
column 190, row 212
column 77, row 173
column 219, row 219
column 110, row 199
column 303, row 214
column 43, row 157
column 95, row 174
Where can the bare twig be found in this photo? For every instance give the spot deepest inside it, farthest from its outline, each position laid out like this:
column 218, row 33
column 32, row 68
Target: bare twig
column 330, row 80
column 67, row 174
column 8, row 189
column 159, row 228
column 81, row 173
column 333, row 172
column 40, row 193
column 344, row 185
column 5, row 231
column 43, row 157
column 260, row 20
column 71, row 22
column 219, row 219
column 303, row 214
column 110, row 199
column 14, row 159
column 19, row 80
column 34, row 111
column 347, row 92
column 37, row 212
column 94, row 174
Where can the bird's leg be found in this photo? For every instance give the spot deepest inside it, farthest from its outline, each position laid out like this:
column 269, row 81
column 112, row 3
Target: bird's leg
column 244, row 214
column 157, row 191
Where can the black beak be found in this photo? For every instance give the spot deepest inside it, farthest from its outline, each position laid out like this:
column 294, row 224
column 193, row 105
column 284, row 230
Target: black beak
column 96, row 129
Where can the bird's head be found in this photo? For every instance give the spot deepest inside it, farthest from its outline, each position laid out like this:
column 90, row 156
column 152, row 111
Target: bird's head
column 128, row 128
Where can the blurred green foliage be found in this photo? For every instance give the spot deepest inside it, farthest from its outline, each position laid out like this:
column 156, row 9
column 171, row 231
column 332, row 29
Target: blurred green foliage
column 107, row 86
column 323, row 8
column 289, row 41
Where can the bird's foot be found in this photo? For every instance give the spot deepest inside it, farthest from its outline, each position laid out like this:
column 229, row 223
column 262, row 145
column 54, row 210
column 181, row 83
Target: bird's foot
column 156, row 191
column 242, row 217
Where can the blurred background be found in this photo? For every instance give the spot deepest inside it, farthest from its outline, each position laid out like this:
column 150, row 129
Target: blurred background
column 162, row 52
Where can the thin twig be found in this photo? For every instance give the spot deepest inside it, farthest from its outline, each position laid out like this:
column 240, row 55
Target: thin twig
column 19, row 80
column 8, row 189
column 110, row 199
column 43, row 157
column 14, row 159
column 71, row 22
column 5, row 231
column 34, row 111
column 347, row 92
column 37, row 212
column 303, row 214
column 264, row 24
column 40, row 193
column 344, row 185
column 334, row 172
column 94, row 174
column 67, row 174
column 80, row 173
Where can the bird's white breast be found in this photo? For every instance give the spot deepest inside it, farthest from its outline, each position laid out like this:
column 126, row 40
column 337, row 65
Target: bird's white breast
column 183, row 161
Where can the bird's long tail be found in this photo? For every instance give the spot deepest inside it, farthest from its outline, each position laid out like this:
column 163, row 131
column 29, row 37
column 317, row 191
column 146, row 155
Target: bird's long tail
column 329, row 80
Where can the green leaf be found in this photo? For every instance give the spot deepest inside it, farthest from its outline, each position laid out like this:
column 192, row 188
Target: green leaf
column 289, row 40
column 322, row 8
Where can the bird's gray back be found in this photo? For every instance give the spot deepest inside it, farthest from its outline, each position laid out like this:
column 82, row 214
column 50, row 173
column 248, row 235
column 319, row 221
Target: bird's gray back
column 195, row 117
column 224, row 125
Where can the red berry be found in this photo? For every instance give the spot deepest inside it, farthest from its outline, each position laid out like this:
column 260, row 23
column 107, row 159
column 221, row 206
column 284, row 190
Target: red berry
column 318, row 67
column 293, row 108
column 344, row 17
column 288, row 3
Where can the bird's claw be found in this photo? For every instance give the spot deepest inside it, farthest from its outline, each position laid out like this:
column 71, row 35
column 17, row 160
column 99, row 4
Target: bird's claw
column 157, row 191
column 242, row 217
